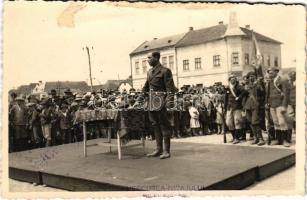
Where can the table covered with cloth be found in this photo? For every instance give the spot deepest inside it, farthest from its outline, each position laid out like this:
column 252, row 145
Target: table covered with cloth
column 123, row 121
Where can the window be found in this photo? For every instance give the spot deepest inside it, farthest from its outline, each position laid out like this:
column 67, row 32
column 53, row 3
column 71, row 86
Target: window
column 246, row 59
column 164, row 61
column 197, row 63
column 262, row 60
column 185, row 65
column 235, row 58
column 137, row 68
column 144, row 66
column 268, row 61
column 216, row 61
column 171, row 62
column 276, row 61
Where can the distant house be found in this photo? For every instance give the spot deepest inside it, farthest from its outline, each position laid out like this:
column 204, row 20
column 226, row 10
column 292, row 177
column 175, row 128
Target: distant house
column 207, row 55
column 124, row 85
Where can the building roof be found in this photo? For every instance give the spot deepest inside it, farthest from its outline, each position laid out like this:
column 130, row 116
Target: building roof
column 164, row 42
column 215, row 33
column 194, row 37
column 74, row 86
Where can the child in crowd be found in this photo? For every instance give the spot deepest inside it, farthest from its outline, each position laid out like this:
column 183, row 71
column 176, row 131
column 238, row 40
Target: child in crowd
column 194, row 121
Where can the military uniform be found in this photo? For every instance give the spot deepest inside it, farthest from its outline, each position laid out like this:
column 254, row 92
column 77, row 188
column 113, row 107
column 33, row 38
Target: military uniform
column 291, row 106
column 252, row 108
column 233, row 107
column 277, row 97
column 159, row 82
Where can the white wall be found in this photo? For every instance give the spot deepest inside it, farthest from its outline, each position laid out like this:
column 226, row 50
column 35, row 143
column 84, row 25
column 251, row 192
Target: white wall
column 139, row 79
column 209, row 73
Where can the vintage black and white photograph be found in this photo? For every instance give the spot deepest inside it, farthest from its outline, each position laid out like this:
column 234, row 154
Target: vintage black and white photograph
column 107, row 97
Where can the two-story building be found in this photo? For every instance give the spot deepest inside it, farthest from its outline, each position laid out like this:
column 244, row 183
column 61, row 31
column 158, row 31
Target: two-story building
column 205, row 56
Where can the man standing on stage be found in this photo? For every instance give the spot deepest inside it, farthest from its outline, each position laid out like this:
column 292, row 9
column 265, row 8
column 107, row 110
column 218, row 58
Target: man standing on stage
column 233, row 107
column 159, row 85
column 277, row 99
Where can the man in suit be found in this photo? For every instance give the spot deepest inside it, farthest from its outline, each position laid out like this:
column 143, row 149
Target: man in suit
column 277, row 99
column 160, row 86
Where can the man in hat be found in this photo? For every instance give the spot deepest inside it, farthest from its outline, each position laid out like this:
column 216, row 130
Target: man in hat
column 18, row 117
column 68, row 96
column 277, row 100
column 47, row 116
column 34, row 125
column 233, row 107
column 159, row 83
column 291, row 106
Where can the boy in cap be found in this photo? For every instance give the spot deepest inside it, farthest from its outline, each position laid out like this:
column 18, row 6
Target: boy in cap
column 233, row 107
column 34, row 125
column 46, row 117
column 18, row 115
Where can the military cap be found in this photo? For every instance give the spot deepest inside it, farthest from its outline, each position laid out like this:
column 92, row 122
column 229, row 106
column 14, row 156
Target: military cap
column 291, row 73
column 20, row 98
column 231, row 76
column 30, row 104
column 250, row 74
column 156, row 54
column 67, row 91
column 272, row 69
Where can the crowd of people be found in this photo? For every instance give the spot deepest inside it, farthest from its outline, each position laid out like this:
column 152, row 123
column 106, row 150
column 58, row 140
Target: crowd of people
column 254, row 105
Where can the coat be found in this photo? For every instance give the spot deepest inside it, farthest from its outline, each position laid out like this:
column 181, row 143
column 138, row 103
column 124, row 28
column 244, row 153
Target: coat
column 230, row 99
column 254, row 98
column 277, row 92
column 19, row 114
column 292, row 93
column 159, row 82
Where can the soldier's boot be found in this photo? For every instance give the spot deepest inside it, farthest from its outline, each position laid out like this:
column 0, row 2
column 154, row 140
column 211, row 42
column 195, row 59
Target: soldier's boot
column 289, row 135
column 285, row 138
column 233, row 136
column 167, row 143
column 48, row 143
column 256, row 136
column 275, row 138
column 237, row 135
column 280, row 136
column 243, row 135
column 159, row 148
column 259, row 133
column 251, row 136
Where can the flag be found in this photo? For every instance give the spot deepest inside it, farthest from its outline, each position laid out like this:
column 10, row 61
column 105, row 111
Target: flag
column 257, row 55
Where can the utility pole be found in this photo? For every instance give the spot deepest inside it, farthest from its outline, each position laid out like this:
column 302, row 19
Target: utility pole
column 90, row 67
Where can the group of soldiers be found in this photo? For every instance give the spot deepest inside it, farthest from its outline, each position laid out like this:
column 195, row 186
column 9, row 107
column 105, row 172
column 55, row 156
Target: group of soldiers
column 255, row 104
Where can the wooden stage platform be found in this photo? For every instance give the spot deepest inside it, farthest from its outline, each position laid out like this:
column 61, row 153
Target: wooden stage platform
column 191, row 167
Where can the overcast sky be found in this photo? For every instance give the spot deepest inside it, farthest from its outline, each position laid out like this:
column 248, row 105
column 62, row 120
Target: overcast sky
column 37, row 48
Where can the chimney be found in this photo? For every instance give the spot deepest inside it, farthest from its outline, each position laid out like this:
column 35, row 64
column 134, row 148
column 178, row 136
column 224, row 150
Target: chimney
column 247, row 26
column 191, row 28
column 221, row 22
column 233, row 28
